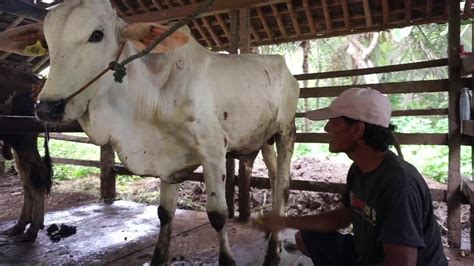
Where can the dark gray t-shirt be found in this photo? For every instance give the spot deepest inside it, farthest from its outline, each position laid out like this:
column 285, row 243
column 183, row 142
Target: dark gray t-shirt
column 392, row 204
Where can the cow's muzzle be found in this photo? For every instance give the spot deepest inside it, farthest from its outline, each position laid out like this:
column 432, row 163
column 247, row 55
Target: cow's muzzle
column 50, row 111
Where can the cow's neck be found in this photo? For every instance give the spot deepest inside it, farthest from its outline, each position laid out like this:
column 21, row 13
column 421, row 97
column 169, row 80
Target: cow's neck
column 142, row 106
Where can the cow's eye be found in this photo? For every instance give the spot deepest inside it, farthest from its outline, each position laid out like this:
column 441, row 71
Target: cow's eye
column 96, row 36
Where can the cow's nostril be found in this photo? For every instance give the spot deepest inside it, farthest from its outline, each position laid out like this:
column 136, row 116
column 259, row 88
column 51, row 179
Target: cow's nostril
column 50, row 111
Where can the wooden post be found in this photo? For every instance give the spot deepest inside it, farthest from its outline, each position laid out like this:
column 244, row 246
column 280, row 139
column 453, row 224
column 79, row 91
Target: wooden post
column 245, row 172
column 107, row 174
column 245, row 166
column 230, row 186
column 244, row 31
column 234, row 31
column 2, row 166
column 454, row 135
column 230, row 162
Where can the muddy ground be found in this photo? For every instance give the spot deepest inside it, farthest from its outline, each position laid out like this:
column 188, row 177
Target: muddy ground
column 193, row 195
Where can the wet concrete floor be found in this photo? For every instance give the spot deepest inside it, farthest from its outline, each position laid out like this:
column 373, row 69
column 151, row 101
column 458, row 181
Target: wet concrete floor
column 125, row 233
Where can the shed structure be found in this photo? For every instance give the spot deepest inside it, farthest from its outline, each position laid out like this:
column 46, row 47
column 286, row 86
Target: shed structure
column 233, row 24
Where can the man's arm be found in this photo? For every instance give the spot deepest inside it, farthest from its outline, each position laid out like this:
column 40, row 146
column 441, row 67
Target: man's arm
column 324, row 223
column 399, row 255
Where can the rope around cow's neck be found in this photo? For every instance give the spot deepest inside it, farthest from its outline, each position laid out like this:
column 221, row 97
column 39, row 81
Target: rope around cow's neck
column 120, row 71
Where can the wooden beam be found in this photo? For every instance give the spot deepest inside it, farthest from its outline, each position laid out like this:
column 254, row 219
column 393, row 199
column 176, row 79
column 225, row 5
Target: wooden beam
column 29, row 124
column 429, row 9
column 397, row 113
column 375, row 70
column 65, row 137
column 244, row 30
column 219, row 6
column 309, row 16
column 454, row 157
column 403, row 138
column 201, row 31
column 23, row 9
column 210, row 29
column 234, row 31
column 223, row 26
column 279, row 20
column 129, row 7
column 254, row 33
column 347, row 16
column 302, row 185
column 385, row 12
column 386, row 88
column 327, row 15
column 354, row 30
column 144, row 6
column 157, row 4
column 407, row 11
column 368, row 15
column 120, row 12
column 267, row 28
column 294, row 17
column 41, row 63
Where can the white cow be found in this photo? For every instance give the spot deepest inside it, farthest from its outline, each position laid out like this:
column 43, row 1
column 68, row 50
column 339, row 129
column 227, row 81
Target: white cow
column 178, row 108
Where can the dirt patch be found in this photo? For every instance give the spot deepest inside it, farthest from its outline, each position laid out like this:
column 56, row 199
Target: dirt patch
column 192, row 195
column 11, row 197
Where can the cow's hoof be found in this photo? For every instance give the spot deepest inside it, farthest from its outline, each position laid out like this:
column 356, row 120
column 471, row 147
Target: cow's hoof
column 225, row 259
column 28, row 237
column 14, row 231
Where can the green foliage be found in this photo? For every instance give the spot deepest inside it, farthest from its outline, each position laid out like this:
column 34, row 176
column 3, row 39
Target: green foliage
column 70, row 150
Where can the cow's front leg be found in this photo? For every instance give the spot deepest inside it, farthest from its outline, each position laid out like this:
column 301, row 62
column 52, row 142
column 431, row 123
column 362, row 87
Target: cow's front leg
column 166, row 211
column 214, row 177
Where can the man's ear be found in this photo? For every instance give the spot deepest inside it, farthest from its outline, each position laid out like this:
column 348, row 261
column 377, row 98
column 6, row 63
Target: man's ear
column 358, row 129
column 26, row 40
column 144, row 34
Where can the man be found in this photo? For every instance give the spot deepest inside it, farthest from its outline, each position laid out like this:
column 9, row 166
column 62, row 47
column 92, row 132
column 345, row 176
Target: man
column 386, row 199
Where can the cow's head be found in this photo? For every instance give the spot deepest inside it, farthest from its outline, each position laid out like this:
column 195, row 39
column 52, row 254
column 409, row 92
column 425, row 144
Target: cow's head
column 83, row 36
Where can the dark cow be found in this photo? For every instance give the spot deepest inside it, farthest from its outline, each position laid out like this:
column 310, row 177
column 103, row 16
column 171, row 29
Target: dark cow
column 35, row 174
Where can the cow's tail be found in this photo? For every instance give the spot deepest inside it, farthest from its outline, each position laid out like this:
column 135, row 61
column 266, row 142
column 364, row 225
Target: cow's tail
column 47, row 161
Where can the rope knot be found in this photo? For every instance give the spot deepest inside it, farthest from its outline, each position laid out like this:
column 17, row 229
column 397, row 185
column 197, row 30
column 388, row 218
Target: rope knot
column 120, row 71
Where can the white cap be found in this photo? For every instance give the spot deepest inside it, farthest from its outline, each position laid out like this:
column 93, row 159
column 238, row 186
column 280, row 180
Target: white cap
column 364, row 104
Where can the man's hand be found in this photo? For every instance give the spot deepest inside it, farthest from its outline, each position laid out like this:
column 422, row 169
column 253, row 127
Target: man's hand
column 270, row 223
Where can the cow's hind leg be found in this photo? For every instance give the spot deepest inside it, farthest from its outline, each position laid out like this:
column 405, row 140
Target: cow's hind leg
column 25, row 215
column 36, row 180
column 166, row 211
column 280, row 186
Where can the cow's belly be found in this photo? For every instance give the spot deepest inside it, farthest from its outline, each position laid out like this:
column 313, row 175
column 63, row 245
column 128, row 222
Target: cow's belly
column 153, row 153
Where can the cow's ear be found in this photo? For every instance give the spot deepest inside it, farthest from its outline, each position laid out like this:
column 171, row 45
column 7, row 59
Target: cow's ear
column 26, row 40
column 144, row 34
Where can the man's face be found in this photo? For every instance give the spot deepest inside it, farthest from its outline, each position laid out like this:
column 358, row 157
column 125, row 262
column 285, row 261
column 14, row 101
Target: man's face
column 342, row 136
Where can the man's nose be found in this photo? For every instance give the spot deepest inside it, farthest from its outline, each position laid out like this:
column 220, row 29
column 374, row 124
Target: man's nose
column 326, row 127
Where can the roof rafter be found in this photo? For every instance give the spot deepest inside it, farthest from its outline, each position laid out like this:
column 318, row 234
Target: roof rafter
column 219, row 6
column 294, row 17
column 23, row 9
column 368, row 15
